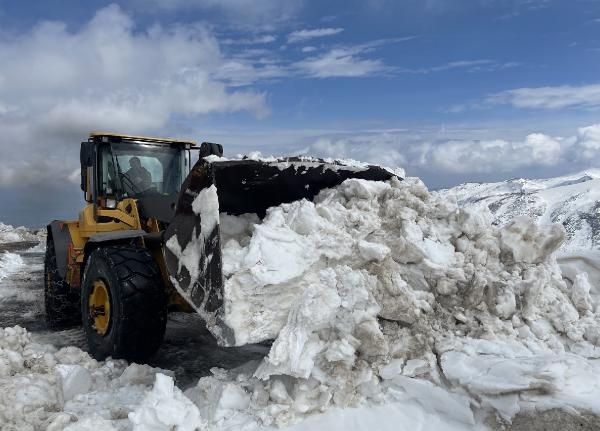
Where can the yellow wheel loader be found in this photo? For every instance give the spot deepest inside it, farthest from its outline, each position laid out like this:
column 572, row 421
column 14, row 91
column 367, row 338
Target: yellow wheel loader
column 151, row 202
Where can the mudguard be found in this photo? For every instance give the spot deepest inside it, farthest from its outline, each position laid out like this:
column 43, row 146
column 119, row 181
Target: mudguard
column 193, row 248
column 59, row 232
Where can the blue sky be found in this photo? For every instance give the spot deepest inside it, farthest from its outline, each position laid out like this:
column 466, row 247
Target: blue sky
column 450, row 91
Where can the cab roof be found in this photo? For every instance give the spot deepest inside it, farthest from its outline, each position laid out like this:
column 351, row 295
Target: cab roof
column 117, row 137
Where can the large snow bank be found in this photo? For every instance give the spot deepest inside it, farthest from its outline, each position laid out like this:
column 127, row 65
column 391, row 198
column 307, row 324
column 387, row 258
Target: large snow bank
column 380, row 297
column 376, row 283
column 319, row 277
column 389, row 249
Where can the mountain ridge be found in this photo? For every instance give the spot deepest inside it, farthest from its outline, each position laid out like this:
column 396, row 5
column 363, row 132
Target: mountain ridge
column 572, row 200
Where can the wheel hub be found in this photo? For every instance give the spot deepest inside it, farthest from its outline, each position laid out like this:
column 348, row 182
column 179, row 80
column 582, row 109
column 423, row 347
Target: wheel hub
column 99, row 304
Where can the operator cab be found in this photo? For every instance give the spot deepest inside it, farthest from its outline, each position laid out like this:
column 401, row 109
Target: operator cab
column 115, row 167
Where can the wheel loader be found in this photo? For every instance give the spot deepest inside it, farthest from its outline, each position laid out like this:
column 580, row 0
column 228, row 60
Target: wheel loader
column 150, row 203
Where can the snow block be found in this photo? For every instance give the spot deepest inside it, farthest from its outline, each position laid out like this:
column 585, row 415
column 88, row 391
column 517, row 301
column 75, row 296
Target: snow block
column 73, row 380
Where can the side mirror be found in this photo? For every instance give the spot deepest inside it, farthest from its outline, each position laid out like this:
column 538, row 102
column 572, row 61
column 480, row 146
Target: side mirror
column 86, row 157
column 209, row 149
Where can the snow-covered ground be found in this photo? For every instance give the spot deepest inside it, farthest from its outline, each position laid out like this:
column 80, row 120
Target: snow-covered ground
column 390, row 308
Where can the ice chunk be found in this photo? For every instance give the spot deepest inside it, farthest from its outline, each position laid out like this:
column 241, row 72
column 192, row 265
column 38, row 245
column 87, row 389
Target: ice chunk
column 524, row 241
column 74, row 380
column 580, row 293
column 206, row 204
column 166, row 408
column 391, row 370
column 415, row 367
column 372, row 251
column 137, row 374
column 10, row 263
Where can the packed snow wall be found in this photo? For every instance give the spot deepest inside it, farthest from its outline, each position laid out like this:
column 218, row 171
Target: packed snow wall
column 413, row 253
column 372, row 272
column 375, row 283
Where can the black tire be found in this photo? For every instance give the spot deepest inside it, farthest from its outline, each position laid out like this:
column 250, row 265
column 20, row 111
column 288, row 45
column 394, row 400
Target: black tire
column 62, row 303
column 138, row 310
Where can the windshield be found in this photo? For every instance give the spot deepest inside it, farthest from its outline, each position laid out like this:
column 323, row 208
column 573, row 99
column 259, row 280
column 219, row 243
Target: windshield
column 136, row 169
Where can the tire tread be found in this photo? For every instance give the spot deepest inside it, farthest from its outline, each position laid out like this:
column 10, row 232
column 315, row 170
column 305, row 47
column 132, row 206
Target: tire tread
column 62, row 303
column 140, row 327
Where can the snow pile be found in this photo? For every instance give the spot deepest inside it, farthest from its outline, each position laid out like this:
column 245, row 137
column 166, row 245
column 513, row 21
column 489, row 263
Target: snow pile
column 379, row 296
column 571, row 200
column 50, row 389
column 387, row 248
column 376, row 283
column 9, row 234
column 9, row 264
column 306, row 161
column 166, row 408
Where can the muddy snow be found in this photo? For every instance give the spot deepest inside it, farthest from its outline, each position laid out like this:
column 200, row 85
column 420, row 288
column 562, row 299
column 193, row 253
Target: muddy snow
column 389, row 307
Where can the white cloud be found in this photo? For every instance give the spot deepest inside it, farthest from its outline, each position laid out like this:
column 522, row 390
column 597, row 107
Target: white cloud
column 534, row 4
column 588, row 142
column 243, row 12
column 255, row 40
column 340, row 62
column 455, row 65
column 241, row 71
column 252, row 65
column 303, row 35
column 565, row 96
column 483, row 65
column 347, row 61
column 57, row 84
column 378, row 151
column 110, row 59
column 545, row 150
column 466, row 157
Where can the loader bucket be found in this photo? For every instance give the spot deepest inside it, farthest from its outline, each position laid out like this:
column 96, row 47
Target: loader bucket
column 193, row 248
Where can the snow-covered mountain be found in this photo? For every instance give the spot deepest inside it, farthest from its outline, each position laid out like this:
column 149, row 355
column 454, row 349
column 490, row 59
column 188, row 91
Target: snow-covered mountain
column 572, row 200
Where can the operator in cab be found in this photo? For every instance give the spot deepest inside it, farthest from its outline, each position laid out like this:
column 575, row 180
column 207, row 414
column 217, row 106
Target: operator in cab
column 139, row 175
